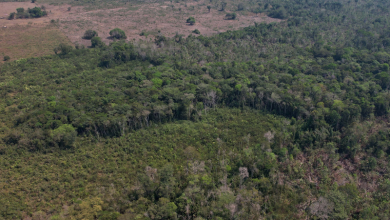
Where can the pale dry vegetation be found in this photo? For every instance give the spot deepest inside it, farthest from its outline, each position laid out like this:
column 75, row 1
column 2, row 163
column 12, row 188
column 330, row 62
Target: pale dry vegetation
column 145, row 21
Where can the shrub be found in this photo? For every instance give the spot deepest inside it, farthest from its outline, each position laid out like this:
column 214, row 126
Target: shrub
column 65, row 49
column 36, row 12
column 223, row 6
column 118, row 34
column 20, row 10
column 96, row 42
column 240, row 7
column 231, row 16
column 89, row 34
column 69, row 8
column 6, row 58
column 196, row 31
column 11, row 16
column 191, row 20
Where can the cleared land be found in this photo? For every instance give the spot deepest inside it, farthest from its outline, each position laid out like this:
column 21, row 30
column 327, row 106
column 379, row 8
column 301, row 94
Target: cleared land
column 30, row 41
column 23, row 38
column 168, row 18
column 36, row 37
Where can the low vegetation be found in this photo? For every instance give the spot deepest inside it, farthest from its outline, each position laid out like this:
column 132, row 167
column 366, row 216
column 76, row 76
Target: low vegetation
column 22, row 41
column 196, row 31
column 231, row 16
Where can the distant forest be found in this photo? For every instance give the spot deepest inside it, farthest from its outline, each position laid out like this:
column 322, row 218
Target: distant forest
column 284, row 120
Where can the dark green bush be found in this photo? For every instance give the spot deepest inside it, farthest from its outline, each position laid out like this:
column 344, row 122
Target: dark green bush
column 11, row 16
column 191, row 20
column 96, row 42
column 118, row 34
column 89, row 34
column 280, row 13
column 6, row 58
column 20, row 10
column 231, row 16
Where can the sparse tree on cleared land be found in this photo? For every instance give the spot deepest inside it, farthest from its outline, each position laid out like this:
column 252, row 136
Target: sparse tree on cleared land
column 11, row 16
column 118, row 34
column 191, row 20
column 20, row 10
column 231, row 16
column 89, row 34
column 209, row 8
column 6, row 58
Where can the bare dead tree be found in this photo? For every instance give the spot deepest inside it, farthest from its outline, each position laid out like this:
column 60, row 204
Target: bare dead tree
column 211, row 98
column 243, row 174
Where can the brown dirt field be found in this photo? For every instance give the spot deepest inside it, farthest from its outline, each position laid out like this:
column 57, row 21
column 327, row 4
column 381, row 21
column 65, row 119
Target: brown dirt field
column 150, row 18
column 30, row 41
column 153, row 17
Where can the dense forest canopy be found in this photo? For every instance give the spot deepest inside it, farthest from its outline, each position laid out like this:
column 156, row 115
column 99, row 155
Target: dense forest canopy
column 285, row 120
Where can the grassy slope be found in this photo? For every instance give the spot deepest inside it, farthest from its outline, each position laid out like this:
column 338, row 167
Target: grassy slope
column 30, row 41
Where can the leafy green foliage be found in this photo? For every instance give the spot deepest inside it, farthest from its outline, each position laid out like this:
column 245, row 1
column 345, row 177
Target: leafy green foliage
column 118, row 34
column 191, row 20
column 279, row 13
column 6, row 58
column 231, row 16
column 35, row 12
column 89, row 34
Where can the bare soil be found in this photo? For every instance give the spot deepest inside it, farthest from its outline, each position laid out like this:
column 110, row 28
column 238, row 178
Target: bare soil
column 153, row 18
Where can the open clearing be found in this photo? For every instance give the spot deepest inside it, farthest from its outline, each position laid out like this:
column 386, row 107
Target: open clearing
column 36, row 37
column 168, row 18
column 24, row 38
column 30, row 41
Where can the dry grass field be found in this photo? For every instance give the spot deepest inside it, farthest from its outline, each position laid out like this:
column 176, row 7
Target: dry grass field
column 30, row 41
column 36, row 37
column 166, row 17
column 23, row 38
